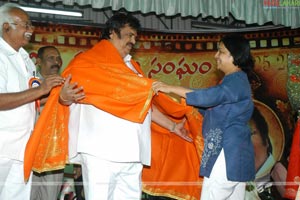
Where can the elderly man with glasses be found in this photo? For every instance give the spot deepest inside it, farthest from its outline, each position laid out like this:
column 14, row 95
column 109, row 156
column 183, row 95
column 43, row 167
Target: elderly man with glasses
column 17, row 99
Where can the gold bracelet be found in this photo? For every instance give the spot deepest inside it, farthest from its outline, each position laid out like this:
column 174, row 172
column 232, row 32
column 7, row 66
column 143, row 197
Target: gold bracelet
column 172, row 130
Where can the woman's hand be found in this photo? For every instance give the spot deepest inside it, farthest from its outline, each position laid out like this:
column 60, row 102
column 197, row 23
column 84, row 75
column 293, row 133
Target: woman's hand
column 163, row 87
column 159, row 86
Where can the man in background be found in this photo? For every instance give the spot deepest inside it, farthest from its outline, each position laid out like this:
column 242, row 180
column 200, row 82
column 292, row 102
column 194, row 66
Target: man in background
column 17, row 100
column 47, row 185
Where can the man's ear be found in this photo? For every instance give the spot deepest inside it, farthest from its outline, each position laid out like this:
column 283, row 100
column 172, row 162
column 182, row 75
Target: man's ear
column 111, row 33
column 5, row 27
column 38, row 61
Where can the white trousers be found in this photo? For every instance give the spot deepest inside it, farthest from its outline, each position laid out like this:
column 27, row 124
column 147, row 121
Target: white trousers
column 12, row 184
column 106, row 180
column 46, row 186
column 218, row 187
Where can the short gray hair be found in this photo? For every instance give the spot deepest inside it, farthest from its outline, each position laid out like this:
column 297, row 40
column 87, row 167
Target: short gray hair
column 5, row 14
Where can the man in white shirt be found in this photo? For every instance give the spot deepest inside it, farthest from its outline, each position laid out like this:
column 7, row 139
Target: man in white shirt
column 17, row 99
column 111, row 148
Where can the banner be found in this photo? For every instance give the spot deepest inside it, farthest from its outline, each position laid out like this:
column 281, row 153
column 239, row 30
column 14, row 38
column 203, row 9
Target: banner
column 188, row 60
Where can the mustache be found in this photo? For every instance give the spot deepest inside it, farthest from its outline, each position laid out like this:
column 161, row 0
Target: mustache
column 55, row 66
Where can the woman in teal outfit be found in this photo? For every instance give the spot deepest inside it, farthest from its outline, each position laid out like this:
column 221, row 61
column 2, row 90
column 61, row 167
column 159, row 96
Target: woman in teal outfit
column 228, row 157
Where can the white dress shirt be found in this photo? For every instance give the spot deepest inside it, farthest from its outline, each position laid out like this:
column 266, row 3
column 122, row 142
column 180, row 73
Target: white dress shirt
column 16, row 69
column 106, row 136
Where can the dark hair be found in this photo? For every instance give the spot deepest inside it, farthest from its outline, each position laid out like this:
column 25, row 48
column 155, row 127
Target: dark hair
column 118, row 21
column 262, row 126
column 41, row 50
column 239, row 48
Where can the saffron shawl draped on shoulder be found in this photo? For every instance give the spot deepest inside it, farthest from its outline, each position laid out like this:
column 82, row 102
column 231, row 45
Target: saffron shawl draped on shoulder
column 108, row 85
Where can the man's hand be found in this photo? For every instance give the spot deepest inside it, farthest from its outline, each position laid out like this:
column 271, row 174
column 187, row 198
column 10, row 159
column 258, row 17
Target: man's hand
column 70, row 92
column 181, row 131
column 50, row 82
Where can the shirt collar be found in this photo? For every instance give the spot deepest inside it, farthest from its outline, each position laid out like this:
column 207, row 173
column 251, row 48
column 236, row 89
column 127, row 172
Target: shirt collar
column 127, row 58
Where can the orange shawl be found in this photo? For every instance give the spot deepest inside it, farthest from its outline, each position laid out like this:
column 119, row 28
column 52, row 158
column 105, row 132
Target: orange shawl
column 111, row 86
column 175, row 163
column 108, row 84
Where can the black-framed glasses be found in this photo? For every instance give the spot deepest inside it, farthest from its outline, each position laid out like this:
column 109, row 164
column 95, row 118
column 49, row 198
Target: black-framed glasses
column 26, row 25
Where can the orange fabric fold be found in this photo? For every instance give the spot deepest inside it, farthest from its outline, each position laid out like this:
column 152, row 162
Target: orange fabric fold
column 108, row 84
column 175, row 163
column 293, row 173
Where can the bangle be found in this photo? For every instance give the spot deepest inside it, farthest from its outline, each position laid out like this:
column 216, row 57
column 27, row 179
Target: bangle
column 172, row 130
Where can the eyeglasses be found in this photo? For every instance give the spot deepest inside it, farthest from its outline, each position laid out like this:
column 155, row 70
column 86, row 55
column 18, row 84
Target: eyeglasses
column 26, row 25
